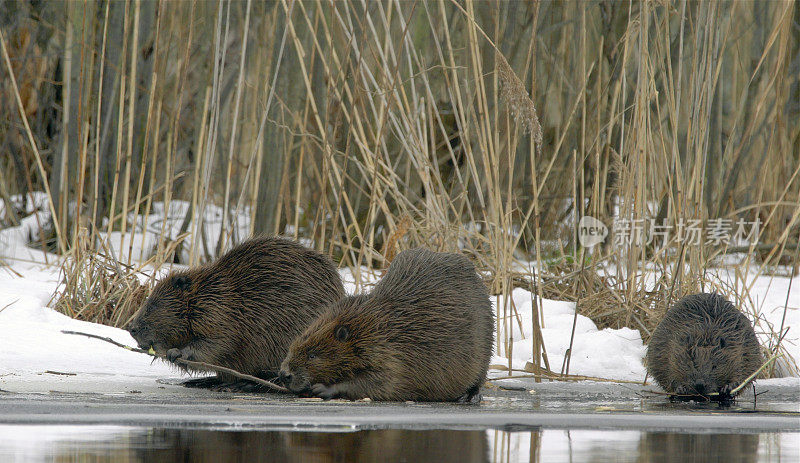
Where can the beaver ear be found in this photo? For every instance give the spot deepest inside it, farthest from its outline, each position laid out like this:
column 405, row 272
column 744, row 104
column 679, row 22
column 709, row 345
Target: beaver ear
column 341, row 333
column 182, row 283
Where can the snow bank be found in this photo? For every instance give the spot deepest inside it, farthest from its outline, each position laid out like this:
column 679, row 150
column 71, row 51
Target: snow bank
column 608, row 353
column 33, row 349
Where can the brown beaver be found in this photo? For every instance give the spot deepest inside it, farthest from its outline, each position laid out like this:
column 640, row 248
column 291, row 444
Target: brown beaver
column 241, row 311
column 424, row 333
column 703, row 345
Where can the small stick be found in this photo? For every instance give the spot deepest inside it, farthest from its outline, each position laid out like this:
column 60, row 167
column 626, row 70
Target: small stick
column 749, row 378
column 60, row 373
column 189, row 363
column 8, row 305
column 567, row 378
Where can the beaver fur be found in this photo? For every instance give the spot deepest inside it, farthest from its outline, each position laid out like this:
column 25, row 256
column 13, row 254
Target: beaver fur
column 703, row 345
column 424, row 333
column 241, row 311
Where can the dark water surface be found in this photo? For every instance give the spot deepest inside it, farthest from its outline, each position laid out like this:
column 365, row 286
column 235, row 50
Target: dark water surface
column 135, row 444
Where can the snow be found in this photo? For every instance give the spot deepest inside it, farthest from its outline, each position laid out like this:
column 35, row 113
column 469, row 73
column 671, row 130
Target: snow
column 33, row 349
column 608, row 353
column 31, row 342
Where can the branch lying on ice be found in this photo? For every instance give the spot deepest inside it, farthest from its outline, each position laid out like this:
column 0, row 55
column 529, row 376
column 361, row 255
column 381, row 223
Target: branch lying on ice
column 188, row 363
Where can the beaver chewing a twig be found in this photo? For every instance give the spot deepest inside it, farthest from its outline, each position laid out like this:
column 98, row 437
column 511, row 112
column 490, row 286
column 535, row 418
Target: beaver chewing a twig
column 424, row 333
column 703, row 348
column 241, row 311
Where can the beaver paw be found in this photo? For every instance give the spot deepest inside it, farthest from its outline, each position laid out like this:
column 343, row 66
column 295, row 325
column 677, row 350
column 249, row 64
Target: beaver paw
column 187, row 353
column 173, row 354
column 323, row 391
column 472, row 396
column 469, row 398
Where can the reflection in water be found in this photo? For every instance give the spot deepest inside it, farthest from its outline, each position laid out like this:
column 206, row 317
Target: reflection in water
column 75, row 443
column 667, row 447
column 386, row 445
column 552, row 445
column 129, row 444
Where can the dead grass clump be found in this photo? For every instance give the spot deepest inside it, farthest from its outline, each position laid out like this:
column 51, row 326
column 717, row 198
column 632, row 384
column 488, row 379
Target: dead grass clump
column 96, row 287
column 610, row 303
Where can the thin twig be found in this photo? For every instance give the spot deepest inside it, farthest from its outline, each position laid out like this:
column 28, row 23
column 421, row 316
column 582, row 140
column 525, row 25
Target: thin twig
column 188, row 363
column 8, row 305
column 755, row 373
column 559, row 377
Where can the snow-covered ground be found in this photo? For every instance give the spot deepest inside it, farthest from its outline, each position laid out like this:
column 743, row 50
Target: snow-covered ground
column 608, row 353
column 31, row 343
column 34, row 351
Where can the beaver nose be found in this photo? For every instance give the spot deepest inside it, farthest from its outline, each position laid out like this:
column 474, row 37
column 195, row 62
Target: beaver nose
column 140, row 334
column 284, row 377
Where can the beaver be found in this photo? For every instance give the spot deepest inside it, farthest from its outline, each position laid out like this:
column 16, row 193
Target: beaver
column 424, row 333
column 703, row 345
column 241, row 311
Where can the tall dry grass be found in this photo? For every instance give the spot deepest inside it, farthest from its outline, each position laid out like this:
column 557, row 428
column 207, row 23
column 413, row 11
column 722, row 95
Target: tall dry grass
column 371, row 127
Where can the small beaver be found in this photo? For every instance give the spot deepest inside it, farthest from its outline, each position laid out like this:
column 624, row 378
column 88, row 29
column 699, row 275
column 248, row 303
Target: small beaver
column 703, row 345
column 424, row 333
column 241, row 311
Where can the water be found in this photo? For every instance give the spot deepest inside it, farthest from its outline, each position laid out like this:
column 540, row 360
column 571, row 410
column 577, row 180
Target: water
column 133, row 444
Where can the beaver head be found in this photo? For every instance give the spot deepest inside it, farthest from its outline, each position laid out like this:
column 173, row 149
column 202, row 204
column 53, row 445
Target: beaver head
column 707, row 360
column 336, row 347
column 165, row 319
